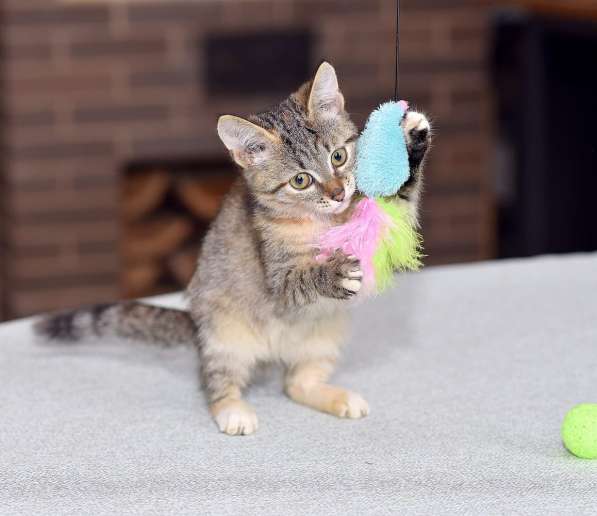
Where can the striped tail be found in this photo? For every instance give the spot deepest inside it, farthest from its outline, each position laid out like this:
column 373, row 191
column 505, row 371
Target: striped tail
column 129, row 319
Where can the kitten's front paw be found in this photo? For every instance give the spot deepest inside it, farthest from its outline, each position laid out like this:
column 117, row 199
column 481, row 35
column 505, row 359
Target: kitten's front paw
column 350, row 405
column 235, row 417
column 345, row 275
column 417, row 131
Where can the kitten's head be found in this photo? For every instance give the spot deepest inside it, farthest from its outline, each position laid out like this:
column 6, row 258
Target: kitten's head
column 299, row 157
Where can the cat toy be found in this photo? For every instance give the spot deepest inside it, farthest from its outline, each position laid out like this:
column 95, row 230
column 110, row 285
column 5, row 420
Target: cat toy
column 380, row 232
column 579, row 431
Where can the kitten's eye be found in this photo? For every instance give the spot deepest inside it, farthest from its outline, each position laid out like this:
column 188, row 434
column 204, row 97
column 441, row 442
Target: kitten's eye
column 339, row 157
column 301, row 181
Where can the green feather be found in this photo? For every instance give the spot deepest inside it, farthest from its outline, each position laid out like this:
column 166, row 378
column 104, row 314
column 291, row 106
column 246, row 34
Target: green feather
column 401, row 247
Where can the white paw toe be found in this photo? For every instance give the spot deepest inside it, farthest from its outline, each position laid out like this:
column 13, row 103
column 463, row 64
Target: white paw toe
column 237, row 420
column 354, row 407
column 415, row 122
column 354, row 285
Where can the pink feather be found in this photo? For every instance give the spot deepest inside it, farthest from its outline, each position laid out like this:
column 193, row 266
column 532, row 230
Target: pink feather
column 358, row 237
column 404, row 105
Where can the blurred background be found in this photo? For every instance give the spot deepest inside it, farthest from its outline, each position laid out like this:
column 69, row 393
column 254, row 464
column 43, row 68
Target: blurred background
column 111, row 168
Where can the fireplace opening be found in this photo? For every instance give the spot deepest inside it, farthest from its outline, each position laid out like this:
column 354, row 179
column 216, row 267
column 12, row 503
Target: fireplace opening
column 270, row 62
column 166, row 209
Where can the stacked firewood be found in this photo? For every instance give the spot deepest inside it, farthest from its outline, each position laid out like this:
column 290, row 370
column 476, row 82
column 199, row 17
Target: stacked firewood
column 164, row 218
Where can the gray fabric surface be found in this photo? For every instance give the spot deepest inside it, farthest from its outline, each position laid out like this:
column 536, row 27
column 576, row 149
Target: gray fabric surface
column 468, row 371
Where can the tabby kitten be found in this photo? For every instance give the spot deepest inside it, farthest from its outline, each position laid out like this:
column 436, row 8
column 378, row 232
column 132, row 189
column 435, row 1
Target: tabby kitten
column 258, row 295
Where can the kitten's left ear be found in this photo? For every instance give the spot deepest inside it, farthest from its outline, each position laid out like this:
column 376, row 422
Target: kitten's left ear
column 325, row 98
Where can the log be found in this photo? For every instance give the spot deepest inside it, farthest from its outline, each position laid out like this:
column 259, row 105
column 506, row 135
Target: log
column 155, row 238
column 140, row 279
column 142, row 193
column 203, row 196
column 183, row 264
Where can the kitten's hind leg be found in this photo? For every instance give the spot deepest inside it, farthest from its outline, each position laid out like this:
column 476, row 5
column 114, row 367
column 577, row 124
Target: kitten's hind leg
column 306, row 384
column 224, row 374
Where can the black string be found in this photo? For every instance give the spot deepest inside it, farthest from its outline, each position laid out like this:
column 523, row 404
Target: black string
column 397, row 50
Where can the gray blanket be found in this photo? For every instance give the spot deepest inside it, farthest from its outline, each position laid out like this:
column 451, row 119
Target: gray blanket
column 469, row 371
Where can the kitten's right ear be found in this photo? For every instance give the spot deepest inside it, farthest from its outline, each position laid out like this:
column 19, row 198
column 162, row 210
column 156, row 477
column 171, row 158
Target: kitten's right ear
column 248, row 143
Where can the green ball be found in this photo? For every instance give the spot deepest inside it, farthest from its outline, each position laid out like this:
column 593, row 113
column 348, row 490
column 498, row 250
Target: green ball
column 579, row 431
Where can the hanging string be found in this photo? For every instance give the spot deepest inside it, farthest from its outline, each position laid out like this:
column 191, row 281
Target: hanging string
column 397, row 50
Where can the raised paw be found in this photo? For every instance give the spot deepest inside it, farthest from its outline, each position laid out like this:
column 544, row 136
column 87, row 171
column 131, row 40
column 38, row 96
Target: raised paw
column 235, row 417
column 345, row 275
column 350, row 405
column 417, row 131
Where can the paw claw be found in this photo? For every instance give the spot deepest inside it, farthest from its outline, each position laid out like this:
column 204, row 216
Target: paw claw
column 346, row 275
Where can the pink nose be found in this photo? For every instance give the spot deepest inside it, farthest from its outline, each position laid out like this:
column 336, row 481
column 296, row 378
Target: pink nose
column 338, row 194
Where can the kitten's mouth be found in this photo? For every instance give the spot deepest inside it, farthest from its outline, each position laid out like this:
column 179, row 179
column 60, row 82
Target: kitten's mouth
column 341, row 206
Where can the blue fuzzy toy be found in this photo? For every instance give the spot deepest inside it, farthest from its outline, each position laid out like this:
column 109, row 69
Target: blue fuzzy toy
column 382, row 155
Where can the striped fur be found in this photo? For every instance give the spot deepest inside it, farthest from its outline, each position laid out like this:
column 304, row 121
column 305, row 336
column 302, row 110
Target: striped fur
column 259, row 295
column 132, row 320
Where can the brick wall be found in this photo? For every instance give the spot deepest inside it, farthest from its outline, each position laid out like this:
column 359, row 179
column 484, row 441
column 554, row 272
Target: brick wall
column 458, row 209
column 91, row 87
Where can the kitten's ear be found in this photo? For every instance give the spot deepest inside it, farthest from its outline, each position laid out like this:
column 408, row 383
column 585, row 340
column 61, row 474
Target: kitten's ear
column 325, row 98
column 248, row 143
